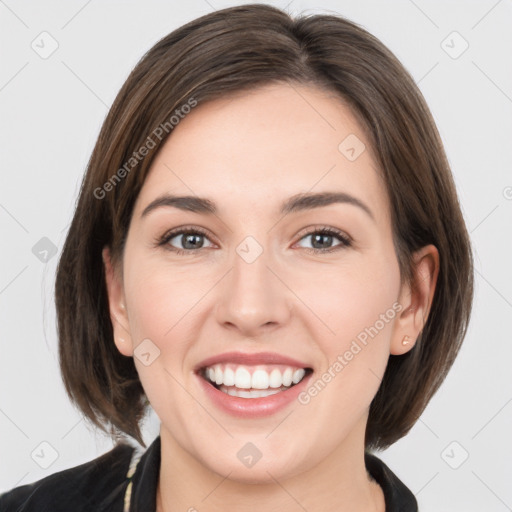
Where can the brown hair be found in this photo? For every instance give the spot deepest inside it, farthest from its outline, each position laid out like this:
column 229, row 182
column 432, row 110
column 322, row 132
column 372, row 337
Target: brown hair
column 234, row 50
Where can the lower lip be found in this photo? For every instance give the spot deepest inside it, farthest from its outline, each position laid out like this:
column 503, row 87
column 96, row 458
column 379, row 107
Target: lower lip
column 253, row 407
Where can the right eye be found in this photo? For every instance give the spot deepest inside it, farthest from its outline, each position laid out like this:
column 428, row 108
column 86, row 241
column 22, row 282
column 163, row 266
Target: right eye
column 189, row 238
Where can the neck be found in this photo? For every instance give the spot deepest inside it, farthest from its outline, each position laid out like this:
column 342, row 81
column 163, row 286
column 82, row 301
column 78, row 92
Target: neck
column 339, row 483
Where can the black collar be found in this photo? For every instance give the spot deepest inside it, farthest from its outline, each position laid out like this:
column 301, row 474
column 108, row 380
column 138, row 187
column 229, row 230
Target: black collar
column 398, row 497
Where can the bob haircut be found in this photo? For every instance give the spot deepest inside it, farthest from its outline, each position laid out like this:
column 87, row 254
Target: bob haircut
column 235, row 50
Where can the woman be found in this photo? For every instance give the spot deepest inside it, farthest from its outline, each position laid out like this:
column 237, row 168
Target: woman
column 187, row 280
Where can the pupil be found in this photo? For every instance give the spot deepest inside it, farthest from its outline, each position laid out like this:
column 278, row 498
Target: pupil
column 187, row 238
column 316, row 237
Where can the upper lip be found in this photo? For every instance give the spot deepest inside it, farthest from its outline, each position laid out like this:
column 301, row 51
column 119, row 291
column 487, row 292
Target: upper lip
column 251, row 359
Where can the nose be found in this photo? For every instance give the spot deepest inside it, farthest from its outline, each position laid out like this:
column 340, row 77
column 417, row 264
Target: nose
column 253, row 297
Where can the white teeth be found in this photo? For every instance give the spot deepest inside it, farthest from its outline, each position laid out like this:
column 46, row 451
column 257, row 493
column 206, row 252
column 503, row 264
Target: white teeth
column 244, row 394
column 240, row 377
column 297, row 375
column 229, row 377
column 287, row 377
column 260, row 379
column 253, row 393
column 219, row 377
column 275, row 379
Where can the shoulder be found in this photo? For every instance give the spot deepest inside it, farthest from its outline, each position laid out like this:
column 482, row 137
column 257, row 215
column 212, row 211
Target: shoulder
column 397, row 496
column 95, row 485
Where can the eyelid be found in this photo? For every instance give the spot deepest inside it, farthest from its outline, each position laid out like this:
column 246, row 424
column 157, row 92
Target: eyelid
column 345, row 239
column 315, row 228
column 174, row 232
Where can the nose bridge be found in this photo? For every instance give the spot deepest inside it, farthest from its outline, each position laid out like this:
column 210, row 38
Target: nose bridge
column 253, row 296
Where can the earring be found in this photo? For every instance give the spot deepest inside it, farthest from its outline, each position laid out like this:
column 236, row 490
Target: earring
column 406, row 340
column 122, row 340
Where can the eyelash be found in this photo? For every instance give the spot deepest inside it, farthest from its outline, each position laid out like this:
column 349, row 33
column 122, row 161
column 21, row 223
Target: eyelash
column 325, row 230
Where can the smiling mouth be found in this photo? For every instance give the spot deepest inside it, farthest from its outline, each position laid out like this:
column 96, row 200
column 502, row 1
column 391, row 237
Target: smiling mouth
column 257, row 381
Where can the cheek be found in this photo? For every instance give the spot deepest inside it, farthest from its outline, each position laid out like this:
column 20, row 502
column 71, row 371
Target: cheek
column 358, row 305
column 351, row 299
column 356, row 355
column 159, row 307
column 157, row 295
column 163, row 303
column 366, row 313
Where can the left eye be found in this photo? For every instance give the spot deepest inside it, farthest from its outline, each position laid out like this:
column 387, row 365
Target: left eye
column 325, row 237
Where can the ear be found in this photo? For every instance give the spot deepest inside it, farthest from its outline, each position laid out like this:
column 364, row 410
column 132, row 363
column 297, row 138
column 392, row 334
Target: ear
column 117, row 306
column 416, row 300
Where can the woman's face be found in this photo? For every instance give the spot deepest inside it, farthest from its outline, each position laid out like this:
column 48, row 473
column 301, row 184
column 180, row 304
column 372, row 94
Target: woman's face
column 247, row 301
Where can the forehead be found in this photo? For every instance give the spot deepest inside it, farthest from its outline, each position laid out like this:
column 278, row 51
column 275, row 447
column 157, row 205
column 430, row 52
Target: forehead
column 260, row 147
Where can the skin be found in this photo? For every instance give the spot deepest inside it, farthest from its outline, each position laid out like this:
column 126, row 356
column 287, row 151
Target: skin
column 248, row 153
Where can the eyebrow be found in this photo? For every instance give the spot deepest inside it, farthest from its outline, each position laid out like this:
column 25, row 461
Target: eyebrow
column 296, row 203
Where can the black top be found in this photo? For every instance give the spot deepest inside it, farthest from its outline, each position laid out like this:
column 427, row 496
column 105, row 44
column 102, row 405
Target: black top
column 125, row 480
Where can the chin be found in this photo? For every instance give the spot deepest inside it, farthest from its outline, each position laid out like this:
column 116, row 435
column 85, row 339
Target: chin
column 260, row 462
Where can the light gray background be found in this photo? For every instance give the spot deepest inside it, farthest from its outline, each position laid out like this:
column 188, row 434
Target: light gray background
column 51, row 112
